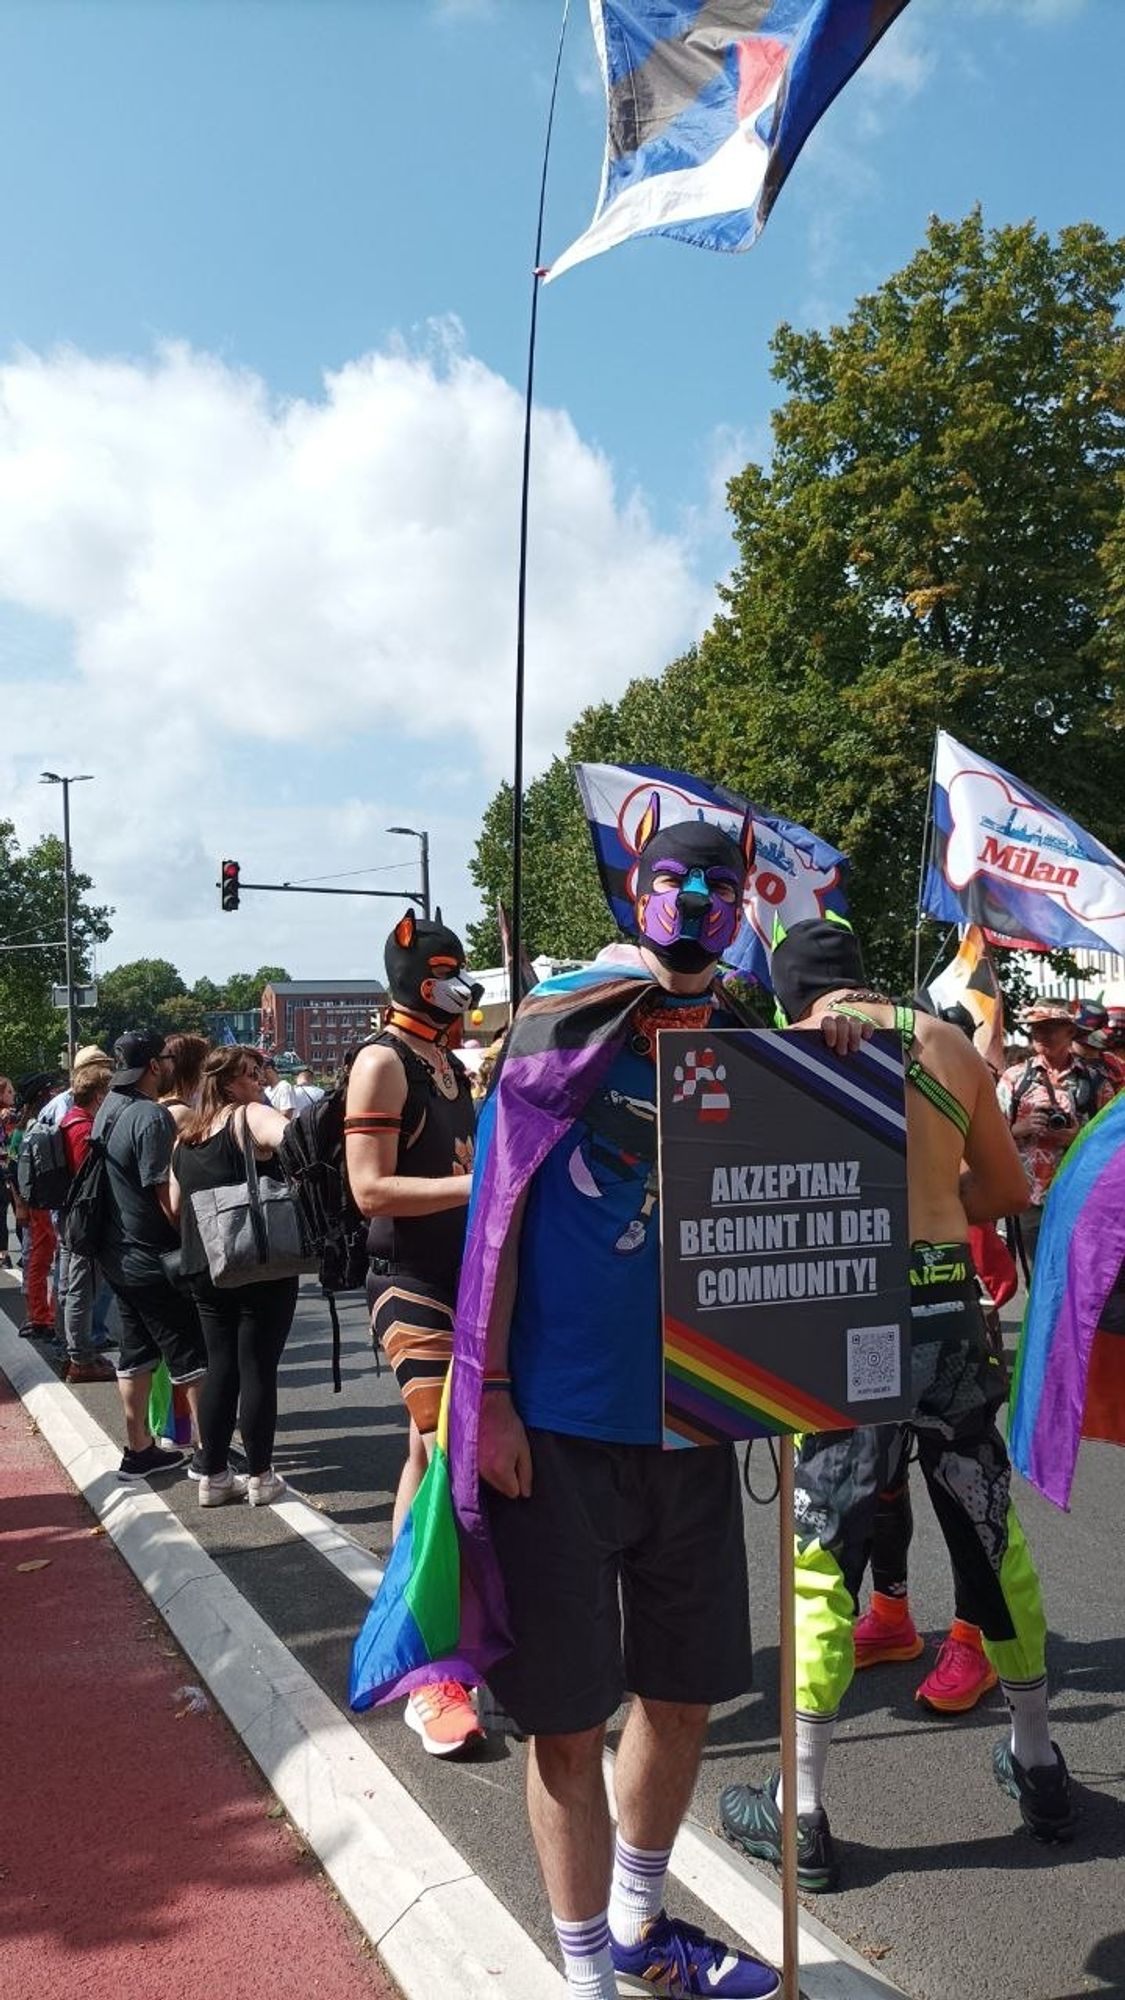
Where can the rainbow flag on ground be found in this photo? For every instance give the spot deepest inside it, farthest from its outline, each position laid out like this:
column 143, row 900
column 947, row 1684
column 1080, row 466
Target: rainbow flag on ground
column 441, row 1601
column 1070, row 1372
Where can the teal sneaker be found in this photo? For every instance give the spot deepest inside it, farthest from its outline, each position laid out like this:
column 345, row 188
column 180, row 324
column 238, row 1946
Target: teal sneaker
column 1046, row 1806
column 750, row 1819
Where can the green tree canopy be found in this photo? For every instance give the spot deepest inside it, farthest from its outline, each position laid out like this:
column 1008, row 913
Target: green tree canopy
column 938, row 541
column 244, row 989
column 32, row 1032
column 135, row 996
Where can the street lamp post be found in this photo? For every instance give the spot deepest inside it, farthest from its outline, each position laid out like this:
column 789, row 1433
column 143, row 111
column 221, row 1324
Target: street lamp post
column 53, row 778
column 424, row 838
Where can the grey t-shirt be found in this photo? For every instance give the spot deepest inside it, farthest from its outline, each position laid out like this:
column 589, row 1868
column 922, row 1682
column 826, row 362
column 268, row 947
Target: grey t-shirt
column 139, row 1156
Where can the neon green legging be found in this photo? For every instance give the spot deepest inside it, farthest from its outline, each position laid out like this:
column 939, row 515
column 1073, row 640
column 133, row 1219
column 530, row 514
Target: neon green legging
column 839, row 1476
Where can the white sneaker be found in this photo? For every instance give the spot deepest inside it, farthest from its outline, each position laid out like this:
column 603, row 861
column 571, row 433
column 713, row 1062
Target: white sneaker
column 263, row 1488
column 216, row 1488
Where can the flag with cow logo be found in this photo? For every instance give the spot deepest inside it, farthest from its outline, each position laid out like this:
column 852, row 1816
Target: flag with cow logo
column 1005, row 858
column 793, row 874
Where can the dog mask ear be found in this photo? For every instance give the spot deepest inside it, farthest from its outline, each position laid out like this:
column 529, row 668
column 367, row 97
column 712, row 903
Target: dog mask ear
column 747, row 842
column 404, row 931
column 648, row 824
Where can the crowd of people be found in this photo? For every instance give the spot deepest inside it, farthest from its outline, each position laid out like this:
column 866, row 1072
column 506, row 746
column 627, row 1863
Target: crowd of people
column 623, row 1565
column 174, row 1115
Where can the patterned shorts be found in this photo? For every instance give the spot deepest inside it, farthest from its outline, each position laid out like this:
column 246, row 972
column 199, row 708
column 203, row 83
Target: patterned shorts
column 414, row 1327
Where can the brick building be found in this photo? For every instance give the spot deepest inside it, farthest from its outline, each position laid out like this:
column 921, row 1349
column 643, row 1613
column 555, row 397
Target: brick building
column 319, row 1019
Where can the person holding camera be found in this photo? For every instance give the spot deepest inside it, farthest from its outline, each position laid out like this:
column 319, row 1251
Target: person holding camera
column 1047, row 1099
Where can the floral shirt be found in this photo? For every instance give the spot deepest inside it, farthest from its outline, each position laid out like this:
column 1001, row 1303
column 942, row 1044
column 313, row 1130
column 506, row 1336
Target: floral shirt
column 1046, row 1109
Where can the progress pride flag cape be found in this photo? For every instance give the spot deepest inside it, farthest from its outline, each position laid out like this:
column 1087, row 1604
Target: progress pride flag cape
column 1070, row 1372
column 441, row 1601
column 708, row 104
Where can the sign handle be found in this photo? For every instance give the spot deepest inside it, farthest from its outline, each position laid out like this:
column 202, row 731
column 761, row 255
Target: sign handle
column 790, row 1966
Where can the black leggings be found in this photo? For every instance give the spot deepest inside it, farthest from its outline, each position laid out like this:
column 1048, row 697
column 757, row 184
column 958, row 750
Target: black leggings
column 245, row 1331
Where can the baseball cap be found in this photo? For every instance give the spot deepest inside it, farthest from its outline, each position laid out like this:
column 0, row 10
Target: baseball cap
column 133, row 1053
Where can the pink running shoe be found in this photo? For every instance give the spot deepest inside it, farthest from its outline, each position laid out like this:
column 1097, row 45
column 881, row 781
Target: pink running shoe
column 962, row 1673
column 444, row 1717
column 885, row 1632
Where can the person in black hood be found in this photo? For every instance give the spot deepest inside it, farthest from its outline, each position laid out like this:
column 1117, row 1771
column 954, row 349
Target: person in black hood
column 409, row 1124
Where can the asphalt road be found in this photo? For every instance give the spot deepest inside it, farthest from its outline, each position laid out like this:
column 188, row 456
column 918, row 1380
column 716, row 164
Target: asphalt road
column 942, row 1889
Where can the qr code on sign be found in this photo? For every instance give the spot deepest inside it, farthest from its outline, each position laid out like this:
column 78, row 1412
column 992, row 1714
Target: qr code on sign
column 874, row 1368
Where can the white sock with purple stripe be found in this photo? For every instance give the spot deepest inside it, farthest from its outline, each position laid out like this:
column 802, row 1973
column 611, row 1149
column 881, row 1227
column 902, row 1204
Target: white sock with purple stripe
column 637, row 1895
column 586, row 1959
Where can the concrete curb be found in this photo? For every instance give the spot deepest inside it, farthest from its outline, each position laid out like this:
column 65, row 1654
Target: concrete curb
column 429, row 1915
column 436, row 1926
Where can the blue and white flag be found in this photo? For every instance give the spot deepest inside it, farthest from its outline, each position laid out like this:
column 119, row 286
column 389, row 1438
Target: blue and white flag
column 794, row 875
column 708, row 105
column 1005, row 858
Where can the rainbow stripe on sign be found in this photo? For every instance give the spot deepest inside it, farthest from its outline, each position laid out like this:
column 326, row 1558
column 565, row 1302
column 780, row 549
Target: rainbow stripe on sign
column 711, row 1395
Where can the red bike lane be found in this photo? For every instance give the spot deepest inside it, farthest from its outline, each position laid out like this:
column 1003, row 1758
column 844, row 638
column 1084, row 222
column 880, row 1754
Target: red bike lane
column 138, row 1855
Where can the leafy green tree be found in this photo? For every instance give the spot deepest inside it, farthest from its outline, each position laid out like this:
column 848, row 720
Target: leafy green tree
column 133, row 995
column 181, row 1014
column 244, row 989
column 32, row 1032
column 928, row 549
column 207, row 995
column 939, row 540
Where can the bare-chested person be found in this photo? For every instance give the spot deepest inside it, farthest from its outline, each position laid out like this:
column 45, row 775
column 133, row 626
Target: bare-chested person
column 963, row 1168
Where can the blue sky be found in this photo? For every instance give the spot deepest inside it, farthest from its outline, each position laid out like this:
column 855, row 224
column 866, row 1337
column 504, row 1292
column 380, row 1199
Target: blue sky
column 262, row 339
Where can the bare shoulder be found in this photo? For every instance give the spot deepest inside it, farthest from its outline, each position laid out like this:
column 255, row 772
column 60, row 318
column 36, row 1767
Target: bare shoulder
column 377, row 1080
column 953, row 1059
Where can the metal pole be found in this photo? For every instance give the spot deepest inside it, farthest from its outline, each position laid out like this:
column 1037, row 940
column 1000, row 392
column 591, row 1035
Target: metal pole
column 790, row 1932
column 425, row 840
column 71, row 1033
column 515, row 953
column 922, row 865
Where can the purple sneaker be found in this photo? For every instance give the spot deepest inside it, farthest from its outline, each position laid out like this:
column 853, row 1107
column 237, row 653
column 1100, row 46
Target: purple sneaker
column 676, row 1959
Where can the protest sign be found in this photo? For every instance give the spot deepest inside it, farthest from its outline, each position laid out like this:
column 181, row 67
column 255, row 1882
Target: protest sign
column 784, row 1234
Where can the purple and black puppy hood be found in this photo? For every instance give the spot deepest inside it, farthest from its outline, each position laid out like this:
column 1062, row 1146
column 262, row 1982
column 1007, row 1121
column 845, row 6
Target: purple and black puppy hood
column 691, row 877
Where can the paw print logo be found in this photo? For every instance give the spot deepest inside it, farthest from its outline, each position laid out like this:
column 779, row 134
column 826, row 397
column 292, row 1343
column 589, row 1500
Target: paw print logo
column 702, row 1080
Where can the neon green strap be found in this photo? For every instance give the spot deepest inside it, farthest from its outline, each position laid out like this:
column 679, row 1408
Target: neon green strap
column 934, row 1092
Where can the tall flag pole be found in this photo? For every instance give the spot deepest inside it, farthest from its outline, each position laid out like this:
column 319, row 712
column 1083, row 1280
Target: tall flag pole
column 919, row 911
column 515, row 955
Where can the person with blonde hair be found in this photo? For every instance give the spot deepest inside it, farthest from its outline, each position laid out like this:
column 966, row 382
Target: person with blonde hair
column 245, row 1328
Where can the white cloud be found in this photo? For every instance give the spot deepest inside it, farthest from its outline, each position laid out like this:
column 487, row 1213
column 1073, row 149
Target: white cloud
column 241, row 578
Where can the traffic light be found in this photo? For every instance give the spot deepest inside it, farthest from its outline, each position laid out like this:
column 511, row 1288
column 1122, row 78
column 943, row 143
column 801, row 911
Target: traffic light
column 228, row 886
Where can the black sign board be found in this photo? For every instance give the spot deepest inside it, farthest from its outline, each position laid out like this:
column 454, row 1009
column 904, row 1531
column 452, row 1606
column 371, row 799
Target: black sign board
column 784, row 1234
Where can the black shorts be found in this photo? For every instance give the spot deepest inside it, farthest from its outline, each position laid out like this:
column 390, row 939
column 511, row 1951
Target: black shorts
column 160, row 1324
column 625, row 1571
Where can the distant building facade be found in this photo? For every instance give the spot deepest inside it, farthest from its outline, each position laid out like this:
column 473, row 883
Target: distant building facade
column 319, row 1020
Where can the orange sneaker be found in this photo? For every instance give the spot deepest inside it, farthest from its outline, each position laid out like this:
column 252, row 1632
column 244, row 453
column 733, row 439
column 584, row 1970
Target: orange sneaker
column 962, row 1674
column 885, row 1632
column 443, row 1715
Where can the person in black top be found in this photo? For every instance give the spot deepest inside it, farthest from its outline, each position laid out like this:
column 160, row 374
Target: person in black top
column 246, row 1327
column 409, row 1123
column 158, row 1323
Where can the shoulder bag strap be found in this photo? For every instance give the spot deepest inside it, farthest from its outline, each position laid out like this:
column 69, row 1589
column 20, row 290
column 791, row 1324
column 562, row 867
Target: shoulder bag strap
column 253, row 1190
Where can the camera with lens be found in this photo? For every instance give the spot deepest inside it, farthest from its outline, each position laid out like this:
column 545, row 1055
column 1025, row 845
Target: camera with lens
column 1058, row 1121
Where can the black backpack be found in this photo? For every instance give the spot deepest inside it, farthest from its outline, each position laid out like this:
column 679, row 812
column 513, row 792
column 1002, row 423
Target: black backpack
column 311, row 1156
column 42, row 1173
column 84, row 1212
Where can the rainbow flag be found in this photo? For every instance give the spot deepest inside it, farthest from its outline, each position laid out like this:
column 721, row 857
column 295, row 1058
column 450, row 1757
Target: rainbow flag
column 1066, row 1350
column 169, row 1413
column 441, row 1601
